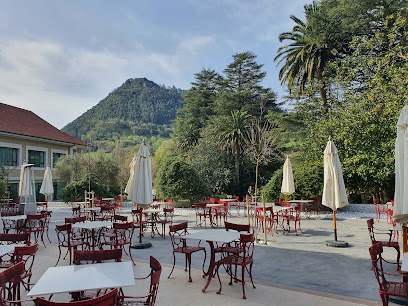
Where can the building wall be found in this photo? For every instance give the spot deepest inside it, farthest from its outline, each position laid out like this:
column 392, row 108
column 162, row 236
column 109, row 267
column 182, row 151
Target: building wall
column 23, row 144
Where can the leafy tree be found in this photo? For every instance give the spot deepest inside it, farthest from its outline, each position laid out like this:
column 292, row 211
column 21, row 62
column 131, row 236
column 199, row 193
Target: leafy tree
column 77, row 190
column 213, row 165
column 233, row 134
column 178, row 180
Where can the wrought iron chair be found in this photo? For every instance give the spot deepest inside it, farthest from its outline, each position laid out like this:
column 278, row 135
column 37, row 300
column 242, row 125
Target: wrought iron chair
column 123, row 234
column 202, row 213
column 65, row 240
column 244, row 259
column 386, row 288
column 293, row 216
column 166, row 218
column 379, row 208
column 10, row 285
column 109, row 299
column 150, row 299
column 19, row 238
column 373, row 232
column 315, row 206
column 176, row 233
column 35, row 225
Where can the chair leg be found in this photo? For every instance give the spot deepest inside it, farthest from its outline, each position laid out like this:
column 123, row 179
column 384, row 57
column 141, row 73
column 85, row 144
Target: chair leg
column 250, row 275
column 219, row 279
column 205, row 258
column 243, row 282
column 59, row 255
column 174, row 263
column 189, row 268
column 130, row 254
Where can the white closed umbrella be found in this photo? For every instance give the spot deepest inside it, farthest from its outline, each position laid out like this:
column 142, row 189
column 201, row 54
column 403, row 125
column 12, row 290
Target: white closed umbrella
column 129, row 185
column 47, row 187
column 27, row 187
column 288, row 185
column 334, row 191
column 401, row 174
column 140, row 187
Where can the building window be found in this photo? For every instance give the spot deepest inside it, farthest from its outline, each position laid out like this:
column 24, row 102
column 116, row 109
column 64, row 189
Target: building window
column 37, row 158
column 55, row 158
column 8, row 156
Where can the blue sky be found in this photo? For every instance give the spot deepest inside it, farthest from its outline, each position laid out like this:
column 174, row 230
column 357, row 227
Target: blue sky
column 60, row 58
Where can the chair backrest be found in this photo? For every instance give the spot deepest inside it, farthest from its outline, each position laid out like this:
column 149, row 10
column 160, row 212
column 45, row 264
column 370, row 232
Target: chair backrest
column 156, row 270
column 198, row 206
column 247, row 245
column 370, row 226
column 76, row 211
column 64, row 233
column 237, row 227
column 168, row 201
column 15, row 238
column 213, row 200
column 123, row 232
column 376, row 201
column 108, row 299
column 285, row 204
column 97, row 256
column 157, row 200
column 175, row 232
column 10, row 280
column 75, row 220
column 120, row 218
column 26, row 254
column 136, row 214
column 377, row 266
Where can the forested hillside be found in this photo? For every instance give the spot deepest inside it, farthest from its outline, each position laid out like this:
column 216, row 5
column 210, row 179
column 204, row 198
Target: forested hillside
column 137, row 108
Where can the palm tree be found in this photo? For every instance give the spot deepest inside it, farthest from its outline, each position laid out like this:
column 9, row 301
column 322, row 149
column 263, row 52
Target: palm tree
column 233, row 135
column 306, row 57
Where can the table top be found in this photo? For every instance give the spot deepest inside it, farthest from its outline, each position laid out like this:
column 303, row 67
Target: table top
column 8, row 248
column 84, row 277
column 214, row 205
column 152, row 211
column 19, row 217
column 228, row 200
column 404, row 264
column 217, row 235
column 92, row 208
column 92, row 224
column 108, row 199
column 301, row 201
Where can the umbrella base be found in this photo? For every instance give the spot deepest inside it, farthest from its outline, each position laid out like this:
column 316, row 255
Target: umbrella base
column 337, row 244
column 142, row 245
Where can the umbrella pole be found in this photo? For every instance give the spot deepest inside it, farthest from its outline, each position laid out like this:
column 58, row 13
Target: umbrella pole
column 264, row 223
column 404, row 239
column 286, row 198
column 140, row 228
column 247, row 206
column 335, row 229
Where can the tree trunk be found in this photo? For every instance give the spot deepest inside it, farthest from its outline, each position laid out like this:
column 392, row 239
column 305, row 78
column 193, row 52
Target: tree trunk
column 322, row 91
column 256, row 177
column 237, row 153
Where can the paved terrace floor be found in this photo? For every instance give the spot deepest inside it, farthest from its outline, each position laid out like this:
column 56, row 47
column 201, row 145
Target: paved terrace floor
column 291, row 270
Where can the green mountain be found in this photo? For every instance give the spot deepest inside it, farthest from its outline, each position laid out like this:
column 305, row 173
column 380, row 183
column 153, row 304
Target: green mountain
column 139, row 107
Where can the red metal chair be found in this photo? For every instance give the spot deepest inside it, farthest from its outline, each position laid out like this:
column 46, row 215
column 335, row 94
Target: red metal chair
column 379, row 208
column 271, row 219
column 96, row 256
column 150, row 299
column 41, row 206
column 179, row 244
column 35, row 225
column 10, row 285
column 109, row 299
column 65, row 240
column 315, row 206
column 386, row 288
column 166, row 218
column 19, row 238
column 373, row 232
column 123, row 234
column 244, row 259
column 202, row 213
column 293, row 216
column 107, row 212
column 77, row 212
column 214, row 200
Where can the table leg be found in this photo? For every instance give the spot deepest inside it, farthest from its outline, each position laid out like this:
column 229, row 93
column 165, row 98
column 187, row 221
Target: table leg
column 210, row 271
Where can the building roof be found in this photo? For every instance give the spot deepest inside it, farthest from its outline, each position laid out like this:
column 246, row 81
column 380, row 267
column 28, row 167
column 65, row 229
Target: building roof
column 19, row 121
